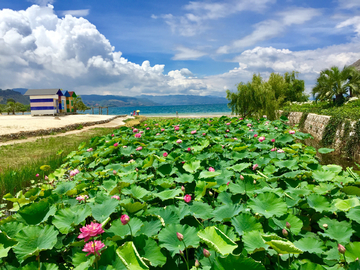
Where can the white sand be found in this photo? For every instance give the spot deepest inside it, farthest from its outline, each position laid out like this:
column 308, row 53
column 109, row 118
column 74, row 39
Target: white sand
column 15, row 123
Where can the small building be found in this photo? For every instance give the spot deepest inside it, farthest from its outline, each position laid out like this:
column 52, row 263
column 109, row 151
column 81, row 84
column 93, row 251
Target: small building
column 63, row 103
column 72, row 96
column 44, row 101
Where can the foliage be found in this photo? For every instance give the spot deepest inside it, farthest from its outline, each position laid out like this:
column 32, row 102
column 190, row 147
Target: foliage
column 79, row 105
column 259, row 97
column 352, row 144
column 330, row 130
column 337, row 83
column 287, row 212
column 302, row 120
column 349, row 110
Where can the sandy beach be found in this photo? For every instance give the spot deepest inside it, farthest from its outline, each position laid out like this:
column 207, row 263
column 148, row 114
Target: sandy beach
column 10, row 124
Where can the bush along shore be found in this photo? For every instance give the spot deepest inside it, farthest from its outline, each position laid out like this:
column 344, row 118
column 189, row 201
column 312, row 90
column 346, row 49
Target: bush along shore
column 224, row 193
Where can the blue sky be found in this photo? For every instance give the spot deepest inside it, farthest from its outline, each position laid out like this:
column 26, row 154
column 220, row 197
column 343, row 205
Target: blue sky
column 171, row 47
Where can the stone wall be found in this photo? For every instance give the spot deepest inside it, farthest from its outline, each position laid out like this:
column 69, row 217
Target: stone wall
column 315, row 125
column 49, row 131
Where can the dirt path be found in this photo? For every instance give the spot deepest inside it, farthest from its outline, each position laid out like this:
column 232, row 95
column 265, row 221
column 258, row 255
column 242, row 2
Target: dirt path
column 117, row 122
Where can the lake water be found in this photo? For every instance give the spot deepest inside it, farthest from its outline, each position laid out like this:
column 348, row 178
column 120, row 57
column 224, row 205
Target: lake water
column 183, row 110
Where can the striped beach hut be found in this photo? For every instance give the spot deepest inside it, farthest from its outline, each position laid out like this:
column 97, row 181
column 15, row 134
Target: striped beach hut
column 44, row 101
column 63, row 103
column 72, row 96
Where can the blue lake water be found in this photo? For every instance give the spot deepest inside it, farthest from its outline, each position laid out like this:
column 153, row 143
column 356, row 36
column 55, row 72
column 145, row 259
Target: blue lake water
column 183, row 110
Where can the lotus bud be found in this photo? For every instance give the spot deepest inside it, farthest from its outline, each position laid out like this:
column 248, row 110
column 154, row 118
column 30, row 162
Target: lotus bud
column 197, row 264
column 341, row 249
column 210, row 193
column 182, row 188
column 285, row 232
column 254, row 182
column 325, row 226
column 288, row 225
column 181, row 252
column 206, row 253
column 241, row 177
column 125, row 219
column 180, row 236
column 114, row 172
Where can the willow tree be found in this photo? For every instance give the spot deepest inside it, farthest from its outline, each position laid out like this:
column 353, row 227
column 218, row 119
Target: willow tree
column 333, row 84
column 253, row 99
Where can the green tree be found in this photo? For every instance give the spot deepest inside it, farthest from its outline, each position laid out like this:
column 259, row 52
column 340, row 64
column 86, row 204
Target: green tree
column 79, row 104
column 20, row 107
column 337, row 83
column 10, row 107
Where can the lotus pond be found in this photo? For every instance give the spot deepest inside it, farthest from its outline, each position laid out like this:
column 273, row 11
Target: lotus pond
column 223, row 193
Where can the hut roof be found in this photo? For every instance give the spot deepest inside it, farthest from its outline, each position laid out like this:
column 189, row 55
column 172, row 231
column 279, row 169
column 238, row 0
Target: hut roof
column 38, row 92
column 67, row 94
column 72, row 94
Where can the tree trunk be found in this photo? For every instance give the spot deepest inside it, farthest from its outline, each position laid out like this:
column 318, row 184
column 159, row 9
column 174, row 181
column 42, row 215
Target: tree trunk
column 339, row 99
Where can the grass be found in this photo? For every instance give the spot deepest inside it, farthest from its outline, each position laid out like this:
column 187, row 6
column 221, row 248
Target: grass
column 23, row 160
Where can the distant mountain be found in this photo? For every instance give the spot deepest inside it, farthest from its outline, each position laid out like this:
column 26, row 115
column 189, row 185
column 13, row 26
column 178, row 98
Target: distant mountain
column 185, row 99
column 115, row 101
column 21, row 90
column 15, row 95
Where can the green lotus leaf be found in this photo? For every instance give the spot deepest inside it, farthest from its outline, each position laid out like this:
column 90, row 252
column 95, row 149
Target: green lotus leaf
column 325, row 150
column 6, row 244
column 127, row 151
column 253, row 242
column 120, row 231
column 168, row 238
column 201, row 210
column 319, row 203
column 109, row 185
column 130, row 257
column 239, row 167
column 284, row 139
column 333, row 168
column 166, row 169
column 192, row 166
column 284, row 247
column 339, row 231
column 33, row 239
column 324, row 188
column 148, row 162
column 352, row 253
column 226, row 212
column 65, row 218
column 217, row 240
column 311, row 266
column 237, row 262
column 290, row 164
column 270, row 169
column 268, row 205
column 346, row 205
column 166, row 215
column 133, row 207
column 81, row 261
column 207, row 174
column 310, row 245
column 12, row 228
column 136, row 191
column 201, row 187
column 261, row 161
column 151, row 228
column 64, row 187
column 103, row 210
column 168, row 194
column 37, row 212
column 184, row 178
column 280, row 223
column 43, row 266
column 354, row 214
column 245, row 223
column 323, row 176
column 149, row 250
column 351, row 190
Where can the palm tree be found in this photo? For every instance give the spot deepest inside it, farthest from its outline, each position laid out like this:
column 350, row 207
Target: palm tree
column 333, row 82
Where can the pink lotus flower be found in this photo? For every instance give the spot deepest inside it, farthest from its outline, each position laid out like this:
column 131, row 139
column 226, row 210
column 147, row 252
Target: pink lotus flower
column 116, row 144
column 165, row 154
column 204, row 134
column 141, row 132
column 112, row 135
column 276, row 127
column 90, row 230
column 137, row 135
column 228, row 124
column 139, row 148
column 82, row 198
column 228, row 183
column 135, row 130
column 291, row 131
column 249, row 125
column 131, row 161
column 93, row 247
column 189, row 149
column 272, row 140
column 280, row 151
column 273, row 149
column 187, row 198
column 147, row 128
column 261, row 139
column 255, row 166
column 46, row 177
column 177, row 128
column 211, row 169
column 255, row 135
column 156, row 124
column 240, row 118
column 163, row 129
column 37, row 175
column 251, row 130
column 193, row 132
column 145, row 125
column 89, row 150
column 74, row 172
column 157, row 134
column 227, row 130
column 235, row 139
column 124, row 146
column 125, row 219
column 179, row 141
column 116, row 197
